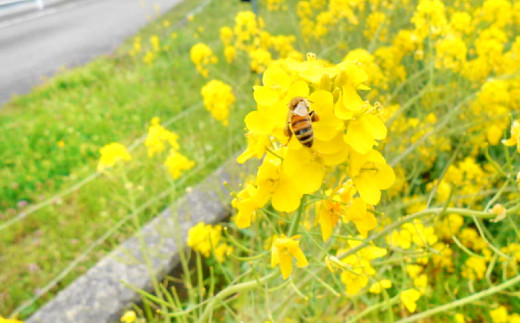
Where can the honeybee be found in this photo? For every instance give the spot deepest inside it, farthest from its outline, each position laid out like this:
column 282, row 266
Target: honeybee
column 299, row 121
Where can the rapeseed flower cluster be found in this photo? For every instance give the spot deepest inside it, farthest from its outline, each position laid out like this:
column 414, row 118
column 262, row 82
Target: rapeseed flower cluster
column 158, row 140
column 202, row 56
column 112, row 154
column 405, row 172
column 348, row 130
column 158, row 136
column 248, row 35
column 207, row 239
column 218, row 98
column 357, row 270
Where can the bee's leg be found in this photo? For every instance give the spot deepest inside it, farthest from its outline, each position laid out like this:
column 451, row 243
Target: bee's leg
column 287, row 131
column 314, row 116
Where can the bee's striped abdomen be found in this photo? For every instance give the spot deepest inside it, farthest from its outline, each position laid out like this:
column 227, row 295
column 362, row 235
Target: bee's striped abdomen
column 301, row 126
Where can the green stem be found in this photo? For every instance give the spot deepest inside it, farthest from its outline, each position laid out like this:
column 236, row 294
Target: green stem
column 233, row 290
column 462, row 301
column 493, row 163
column 406, row 219
column 296, row 221
column 375, row 307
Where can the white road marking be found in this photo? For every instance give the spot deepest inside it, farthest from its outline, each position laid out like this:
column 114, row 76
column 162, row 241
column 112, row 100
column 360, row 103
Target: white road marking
column 44, row 13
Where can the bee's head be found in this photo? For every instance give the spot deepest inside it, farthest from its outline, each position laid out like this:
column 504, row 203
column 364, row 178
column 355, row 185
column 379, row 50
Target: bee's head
column 295, row 101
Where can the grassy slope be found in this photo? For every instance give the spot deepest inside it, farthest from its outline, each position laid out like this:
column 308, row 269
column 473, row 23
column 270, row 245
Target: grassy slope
column 110, row 99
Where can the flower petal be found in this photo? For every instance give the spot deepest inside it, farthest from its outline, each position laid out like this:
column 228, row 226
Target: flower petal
column 375, row 126
column 368, row 189
column 359, row 138
column 265, row 96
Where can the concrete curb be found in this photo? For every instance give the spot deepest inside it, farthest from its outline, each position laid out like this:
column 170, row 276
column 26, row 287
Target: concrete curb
column 100, row 297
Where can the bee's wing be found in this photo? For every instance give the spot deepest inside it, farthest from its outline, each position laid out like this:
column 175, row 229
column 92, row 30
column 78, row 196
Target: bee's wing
column 301, row 109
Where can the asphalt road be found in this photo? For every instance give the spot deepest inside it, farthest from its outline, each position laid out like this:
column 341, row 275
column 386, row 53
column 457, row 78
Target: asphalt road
column 37, row 44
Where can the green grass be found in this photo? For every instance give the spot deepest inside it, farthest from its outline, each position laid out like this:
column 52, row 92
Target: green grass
column 110, row 99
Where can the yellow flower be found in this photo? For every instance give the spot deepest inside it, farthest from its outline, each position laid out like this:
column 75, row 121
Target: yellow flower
column 500, row 212
column 349, row 80
column 218, row 97
column 451, row 53
column 222, row 251
column 370, row 174
column 401, row 238
column 274, row 5
column 259, row 60
column 246, row 27
column 256, row 147
column 129, row 317
column 226, row 35
column 230, row 53
column 499, row 315
column 329, row 213
column 360, row 270
column 247, row 202
column 149, row 57
column 377, row 287
column 156, row 137
column 204, row 238
column 514, row 318
column 176, row 163
column 2, row 320
column 355, row 282
column 429, row 18
column 274, row 182
column 312, row 70
column 201, row 55
column 474, row 268
column 421, row 282
column 364, row 131
column 409, row 298
column 459, row 318
column 449, row 226
column 363, row 219
column 413, row 270
column 515, row 136
column 112, row 154
column 282, row 252
column 460, row 23
column 154, row 40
